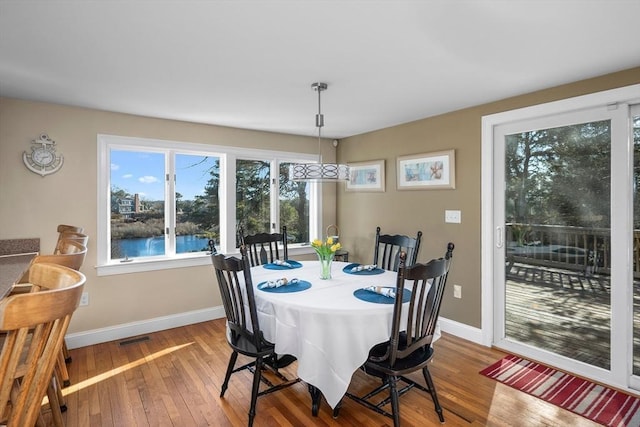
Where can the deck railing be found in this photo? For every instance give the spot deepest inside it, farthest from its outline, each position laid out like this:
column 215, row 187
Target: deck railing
column 576, row 248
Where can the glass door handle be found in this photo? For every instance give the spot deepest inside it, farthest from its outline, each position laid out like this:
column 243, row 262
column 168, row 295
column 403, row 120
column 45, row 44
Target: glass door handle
column 499, row 238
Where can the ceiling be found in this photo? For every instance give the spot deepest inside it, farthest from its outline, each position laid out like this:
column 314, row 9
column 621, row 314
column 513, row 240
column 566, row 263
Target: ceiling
column 250, row 64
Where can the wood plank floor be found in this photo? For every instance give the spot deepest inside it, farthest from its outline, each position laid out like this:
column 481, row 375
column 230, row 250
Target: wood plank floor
column 560, row 310
column 173, row 378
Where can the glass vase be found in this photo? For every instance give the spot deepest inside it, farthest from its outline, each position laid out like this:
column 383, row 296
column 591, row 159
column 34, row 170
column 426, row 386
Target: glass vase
column 325, row 266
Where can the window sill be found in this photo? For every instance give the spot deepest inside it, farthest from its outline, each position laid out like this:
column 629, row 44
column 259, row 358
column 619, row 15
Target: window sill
column 141, row 265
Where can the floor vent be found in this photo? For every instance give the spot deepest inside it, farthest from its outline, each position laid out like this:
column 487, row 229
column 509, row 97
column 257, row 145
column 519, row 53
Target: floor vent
column 134, row 340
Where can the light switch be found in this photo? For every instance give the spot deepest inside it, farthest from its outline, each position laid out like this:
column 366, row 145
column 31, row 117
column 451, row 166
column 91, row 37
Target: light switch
column 453, row 216
column 457, row 291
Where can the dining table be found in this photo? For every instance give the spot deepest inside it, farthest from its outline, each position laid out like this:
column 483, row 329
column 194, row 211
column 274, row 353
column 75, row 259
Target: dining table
column 328, row 325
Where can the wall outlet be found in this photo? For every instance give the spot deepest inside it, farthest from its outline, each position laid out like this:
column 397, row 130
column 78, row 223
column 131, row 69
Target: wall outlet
column 457, row 291
column 84, row 299
column 453, row 216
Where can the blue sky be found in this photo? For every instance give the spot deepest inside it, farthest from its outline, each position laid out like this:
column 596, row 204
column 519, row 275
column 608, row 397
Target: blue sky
column 143, row 173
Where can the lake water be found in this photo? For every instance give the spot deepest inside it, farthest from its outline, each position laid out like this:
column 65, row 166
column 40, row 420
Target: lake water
column 151, row 246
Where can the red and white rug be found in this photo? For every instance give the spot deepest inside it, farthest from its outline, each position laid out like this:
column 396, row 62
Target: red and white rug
column 593, row 401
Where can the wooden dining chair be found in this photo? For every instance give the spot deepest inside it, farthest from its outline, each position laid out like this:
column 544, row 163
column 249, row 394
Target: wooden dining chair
column 244, row 335
column 34, row 325
column 62, row 228
column 388, row 248
column 63, row 237
column 75, row 234
column 264, row 248
column 72, row 255
column 409, row 349
column 74, row 258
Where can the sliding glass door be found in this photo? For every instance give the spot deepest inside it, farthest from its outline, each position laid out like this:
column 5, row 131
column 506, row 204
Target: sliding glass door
column 557, row 202
column 564, row 250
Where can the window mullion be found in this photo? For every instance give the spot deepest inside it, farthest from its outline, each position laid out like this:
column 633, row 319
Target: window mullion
column 275, row 196
column 170, row 200
column 227, row 197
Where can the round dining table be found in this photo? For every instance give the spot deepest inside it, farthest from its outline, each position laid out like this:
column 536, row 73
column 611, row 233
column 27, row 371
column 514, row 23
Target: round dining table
column 329, row 325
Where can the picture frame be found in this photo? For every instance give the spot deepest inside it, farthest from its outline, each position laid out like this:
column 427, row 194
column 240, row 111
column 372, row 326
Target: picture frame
column 366, row 176
column 428, row 171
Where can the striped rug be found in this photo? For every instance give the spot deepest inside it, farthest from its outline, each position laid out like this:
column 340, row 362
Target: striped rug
column 595, row 402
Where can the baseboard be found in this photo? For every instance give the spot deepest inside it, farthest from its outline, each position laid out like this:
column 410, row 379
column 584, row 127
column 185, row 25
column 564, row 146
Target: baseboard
column 461, row 330
column 127, row 330
column 111, row 333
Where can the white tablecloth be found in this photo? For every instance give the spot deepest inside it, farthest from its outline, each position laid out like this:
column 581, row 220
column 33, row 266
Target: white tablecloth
column 326, row 327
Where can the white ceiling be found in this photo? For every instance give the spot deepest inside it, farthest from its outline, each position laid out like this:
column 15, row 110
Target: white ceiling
column 250, row 64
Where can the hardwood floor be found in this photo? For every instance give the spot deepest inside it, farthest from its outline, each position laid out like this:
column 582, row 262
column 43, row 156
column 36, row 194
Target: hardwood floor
column 173, row 378
column 559, row 310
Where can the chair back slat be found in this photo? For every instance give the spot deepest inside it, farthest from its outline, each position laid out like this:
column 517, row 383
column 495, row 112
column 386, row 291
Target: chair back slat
column 238, row 296
column 264, row 248
column 34, row 324
column 388, row 248
column 427, row 283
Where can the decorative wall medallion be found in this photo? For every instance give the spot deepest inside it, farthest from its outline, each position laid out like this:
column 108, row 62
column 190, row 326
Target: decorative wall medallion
column 43, row 158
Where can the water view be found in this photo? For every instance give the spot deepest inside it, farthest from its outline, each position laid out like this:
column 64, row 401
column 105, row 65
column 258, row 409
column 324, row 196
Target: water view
column 150, row 246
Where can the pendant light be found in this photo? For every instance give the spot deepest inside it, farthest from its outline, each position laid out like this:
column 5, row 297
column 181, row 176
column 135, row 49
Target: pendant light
column 324, row 172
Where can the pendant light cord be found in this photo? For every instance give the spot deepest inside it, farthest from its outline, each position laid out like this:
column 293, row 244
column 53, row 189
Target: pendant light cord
column 319, row 117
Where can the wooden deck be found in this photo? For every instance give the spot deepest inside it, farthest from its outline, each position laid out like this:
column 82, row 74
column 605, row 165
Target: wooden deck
column 565, row 312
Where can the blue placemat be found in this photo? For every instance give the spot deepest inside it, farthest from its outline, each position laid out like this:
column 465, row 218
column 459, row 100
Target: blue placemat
column 296, row 287
column 369, row 296
column 294, row 264
column 347, row 269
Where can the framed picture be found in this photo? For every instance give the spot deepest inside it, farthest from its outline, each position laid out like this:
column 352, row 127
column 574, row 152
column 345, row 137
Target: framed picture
column 427, row 171
column 366, row 176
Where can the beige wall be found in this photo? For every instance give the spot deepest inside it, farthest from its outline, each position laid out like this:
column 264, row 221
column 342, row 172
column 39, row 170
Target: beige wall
column 405, row 212
column 33, row 206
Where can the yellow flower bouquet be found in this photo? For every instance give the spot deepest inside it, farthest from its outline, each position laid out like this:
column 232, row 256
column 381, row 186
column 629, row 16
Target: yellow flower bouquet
column 326, row 251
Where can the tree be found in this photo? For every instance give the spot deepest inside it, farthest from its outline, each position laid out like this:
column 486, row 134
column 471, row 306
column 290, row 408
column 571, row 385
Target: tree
column 205, row 209
column 559, row 175
column 253, row 196
column 294, row 206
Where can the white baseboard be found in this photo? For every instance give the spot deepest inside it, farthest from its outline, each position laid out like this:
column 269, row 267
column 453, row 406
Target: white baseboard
column 117, row 332
column 461, row 330
column 127, row 330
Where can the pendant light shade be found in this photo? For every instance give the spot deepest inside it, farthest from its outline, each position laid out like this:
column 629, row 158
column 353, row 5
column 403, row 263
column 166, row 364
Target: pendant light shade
column 318, row 172
column 324, row 172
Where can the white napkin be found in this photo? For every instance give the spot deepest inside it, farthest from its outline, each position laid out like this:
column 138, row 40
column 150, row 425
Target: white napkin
column 381, row 290
column 277, row 283
column 367, row 267
column 282, row 263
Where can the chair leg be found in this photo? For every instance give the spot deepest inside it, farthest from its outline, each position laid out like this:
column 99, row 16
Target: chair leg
column 54, row 404
column 432, row 391
column 254, row 391
column 232, row 363
column 393, row 394
column 56, row 382
column 65, row 353
column 62, row 368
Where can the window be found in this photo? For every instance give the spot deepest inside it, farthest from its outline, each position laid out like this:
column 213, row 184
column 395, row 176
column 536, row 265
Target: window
column 160, row 203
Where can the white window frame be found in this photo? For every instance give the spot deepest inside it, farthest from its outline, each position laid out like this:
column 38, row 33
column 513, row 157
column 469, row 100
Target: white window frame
column 227, row 156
